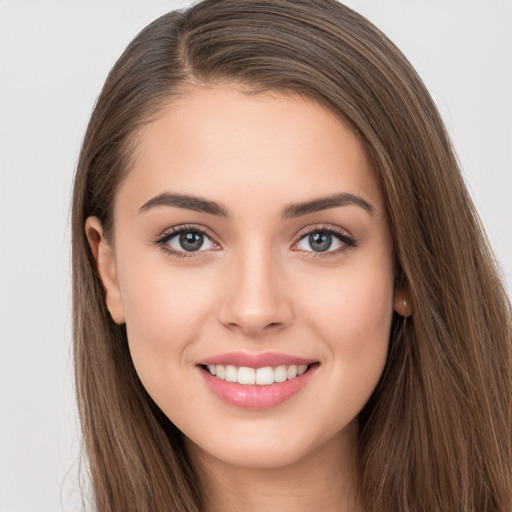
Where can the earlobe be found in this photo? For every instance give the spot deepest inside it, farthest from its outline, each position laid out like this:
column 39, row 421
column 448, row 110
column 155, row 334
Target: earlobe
column 106, row 265
column 402, row 303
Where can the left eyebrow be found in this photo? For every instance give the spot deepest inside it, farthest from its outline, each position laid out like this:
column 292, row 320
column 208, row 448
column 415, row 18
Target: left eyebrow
column 289, row 212
column 324, row 203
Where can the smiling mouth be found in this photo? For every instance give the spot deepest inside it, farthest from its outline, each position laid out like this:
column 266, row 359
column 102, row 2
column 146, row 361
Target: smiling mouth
column 264, row 376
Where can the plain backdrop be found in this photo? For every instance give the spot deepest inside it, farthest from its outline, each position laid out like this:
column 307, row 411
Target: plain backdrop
column 54, row 57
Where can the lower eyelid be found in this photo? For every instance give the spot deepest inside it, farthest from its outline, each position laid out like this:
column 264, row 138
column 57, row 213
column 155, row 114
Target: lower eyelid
column 342, row 236
column 170, row 233
column 162, row 242
column 177, row 235
column 346, row 241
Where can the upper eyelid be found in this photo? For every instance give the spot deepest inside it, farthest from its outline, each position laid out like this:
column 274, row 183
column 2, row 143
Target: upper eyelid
column 174, row 230
column 323, row 227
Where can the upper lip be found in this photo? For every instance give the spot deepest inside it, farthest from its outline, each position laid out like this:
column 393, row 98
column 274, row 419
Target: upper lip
column 255, row 360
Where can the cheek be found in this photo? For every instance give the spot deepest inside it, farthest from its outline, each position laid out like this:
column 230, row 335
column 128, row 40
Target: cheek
column 354, row 303
column 164, row 309
column 165, row 313
column 161, row 323
column 352, row 314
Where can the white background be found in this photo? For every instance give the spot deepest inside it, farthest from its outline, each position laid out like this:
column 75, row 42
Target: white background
column 54, row 57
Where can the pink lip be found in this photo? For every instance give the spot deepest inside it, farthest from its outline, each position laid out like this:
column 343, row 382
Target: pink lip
column 255, row 360
column 256, row 396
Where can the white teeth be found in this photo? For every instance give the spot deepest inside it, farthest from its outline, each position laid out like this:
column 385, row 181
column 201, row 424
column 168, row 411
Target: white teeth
column 260, row 376
column 292, row 372
column 246, row 375
column 231, row 373
column 265, row 376
column 221, row 371
column 280, row 372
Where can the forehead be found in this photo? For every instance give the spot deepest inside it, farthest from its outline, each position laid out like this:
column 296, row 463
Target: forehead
column 248, row 150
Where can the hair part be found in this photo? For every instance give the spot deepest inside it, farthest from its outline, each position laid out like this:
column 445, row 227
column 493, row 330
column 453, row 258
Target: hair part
column 436, row 433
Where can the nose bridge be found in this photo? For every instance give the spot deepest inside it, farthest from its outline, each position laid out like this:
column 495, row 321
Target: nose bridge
column 255, row 300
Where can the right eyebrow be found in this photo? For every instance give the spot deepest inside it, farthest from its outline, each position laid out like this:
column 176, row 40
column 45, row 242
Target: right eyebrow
column 188, row 202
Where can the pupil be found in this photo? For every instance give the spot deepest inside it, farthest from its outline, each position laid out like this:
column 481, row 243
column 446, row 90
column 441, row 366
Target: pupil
column 191, row 241
column 320, row 242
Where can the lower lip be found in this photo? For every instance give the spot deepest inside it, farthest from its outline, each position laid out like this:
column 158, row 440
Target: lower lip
column 254, row 396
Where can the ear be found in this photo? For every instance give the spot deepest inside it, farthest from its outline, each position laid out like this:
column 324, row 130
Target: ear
column 402, row 303
column 106, row 264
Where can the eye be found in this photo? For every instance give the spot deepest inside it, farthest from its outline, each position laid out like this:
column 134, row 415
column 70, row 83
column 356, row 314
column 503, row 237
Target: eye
column 182, row 241
column 325, row 240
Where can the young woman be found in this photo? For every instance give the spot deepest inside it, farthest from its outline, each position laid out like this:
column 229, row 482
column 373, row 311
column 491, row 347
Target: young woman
column 283, row 299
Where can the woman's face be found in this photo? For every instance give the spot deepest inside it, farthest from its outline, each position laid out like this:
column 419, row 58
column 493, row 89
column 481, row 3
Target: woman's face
column 251, row 233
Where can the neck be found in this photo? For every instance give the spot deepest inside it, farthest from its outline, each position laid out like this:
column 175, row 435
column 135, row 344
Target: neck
column 323, row 479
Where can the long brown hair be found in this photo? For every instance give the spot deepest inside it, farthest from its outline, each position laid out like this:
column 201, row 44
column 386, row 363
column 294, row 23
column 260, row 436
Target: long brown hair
column 436, row 434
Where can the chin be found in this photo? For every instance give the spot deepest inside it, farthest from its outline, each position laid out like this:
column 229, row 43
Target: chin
column 277, row 449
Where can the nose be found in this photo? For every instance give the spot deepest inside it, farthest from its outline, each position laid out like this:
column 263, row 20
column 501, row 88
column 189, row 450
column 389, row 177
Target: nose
column 255, row 301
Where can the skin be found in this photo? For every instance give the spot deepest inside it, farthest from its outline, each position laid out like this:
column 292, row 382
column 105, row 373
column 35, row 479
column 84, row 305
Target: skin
column 257, row 286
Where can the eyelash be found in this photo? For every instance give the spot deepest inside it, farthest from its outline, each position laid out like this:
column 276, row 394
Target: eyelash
column 347, row 241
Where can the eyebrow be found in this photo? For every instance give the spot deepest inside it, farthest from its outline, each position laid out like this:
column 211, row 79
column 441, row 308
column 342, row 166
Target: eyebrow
column 294, row 210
